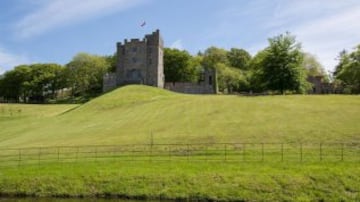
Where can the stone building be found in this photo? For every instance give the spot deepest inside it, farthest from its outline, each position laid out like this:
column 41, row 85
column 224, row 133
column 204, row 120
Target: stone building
column 141, row 62
column 319, row 86
column 205, row 85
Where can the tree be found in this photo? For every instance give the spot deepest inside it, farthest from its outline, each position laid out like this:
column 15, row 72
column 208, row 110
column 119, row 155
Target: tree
column 238, row 58
column 179, row 66
column 281, row 70
column 112, row 60
column 348, row 70
column 255, row 72
column 313, row 66
column 32, row 83
column 85, row 74
column 229, row 78
column 228, row 66
column 44, row 81
column 214, row 55
column 13, row 85
column 343, row 59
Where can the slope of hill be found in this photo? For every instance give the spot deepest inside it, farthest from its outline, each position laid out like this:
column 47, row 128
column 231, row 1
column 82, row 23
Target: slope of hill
column 130, row 114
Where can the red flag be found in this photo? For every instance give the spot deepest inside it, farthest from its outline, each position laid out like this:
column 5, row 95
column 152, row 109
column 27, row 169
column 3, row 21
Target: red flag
column 143, row 24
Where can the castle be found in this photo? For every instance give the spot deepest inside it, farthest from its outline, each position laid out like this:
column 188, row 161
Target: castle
column 141, row 62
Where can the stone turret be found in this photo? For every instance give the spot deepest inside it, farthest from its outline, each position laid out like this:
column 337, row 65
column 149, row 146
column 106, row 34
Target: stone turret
column 141, row 61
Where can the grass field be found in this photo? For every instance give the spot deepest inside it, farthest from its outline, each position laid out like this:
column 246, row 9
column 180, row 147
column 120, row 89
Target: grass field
column 144, row 115
column 131, row 114
column 180, row 180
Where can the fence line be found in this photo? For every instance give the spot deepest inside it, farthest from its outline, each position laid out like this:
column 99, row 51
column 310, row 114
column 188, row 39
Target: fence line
column 226, row 152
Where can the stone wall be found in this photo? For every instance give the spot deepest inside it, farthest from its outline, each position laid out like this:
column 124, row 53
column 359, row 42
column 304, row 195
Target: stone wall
column 190, row 88
column 207, row 84
column 141, row 61
column 109, row 82
column 321, row 87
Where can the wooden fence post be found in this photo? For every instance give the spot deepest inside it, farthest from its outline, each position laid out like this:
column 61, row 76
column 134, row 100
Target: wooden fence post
column 321, row 152
column 225, row 152
column 262, row 151
column 342, row 152
column 77, row 154
column 39, row 157
column 58, row 153
column 301, row 152
column 169, row 146
column 96, row 153
column 188, row 152
column 19, row 157
column 282, row 152
column 244, row 149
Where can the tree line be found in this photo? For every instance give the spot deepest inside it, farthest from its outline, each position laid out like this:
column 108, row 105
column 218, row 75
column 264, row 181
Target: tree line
column 282, row 67
column 78, row 80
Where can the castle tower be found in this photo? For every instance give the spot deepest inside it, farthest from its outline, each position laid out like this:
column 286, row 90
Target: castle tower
column 141, row 61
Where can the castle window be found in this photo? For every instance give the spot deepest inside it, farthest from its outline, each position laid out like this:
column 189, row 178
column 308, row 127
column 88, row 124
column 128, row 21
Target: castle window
column 134, row 49
column 210, row 80
column 134, row 60
column 149, row 50
column 150, row 61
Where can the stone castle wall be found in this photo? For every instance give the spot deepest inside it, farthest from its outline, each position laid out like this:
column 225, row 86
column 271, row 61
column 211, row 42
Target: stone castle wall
column 109, row 82
column 190, row 88
column 205, row 86
column 141, row 61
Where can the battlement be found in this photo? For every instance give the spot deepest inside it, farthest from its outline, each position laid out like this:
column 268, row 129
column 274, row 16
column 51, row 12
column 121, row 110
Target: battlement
column 154, row 37
column 140, row 61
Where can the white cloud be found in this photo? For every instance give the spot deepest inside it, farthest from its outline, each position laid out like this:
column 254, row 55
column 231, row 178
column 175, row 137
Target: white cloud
column 327, row 36
column 9, row 60
column 323, row 28
column 177, row 44
column 57, row 13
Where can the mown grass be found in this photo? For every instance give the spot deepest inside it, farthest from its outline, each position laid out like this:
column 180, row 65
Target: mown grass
column 182, row 180
column 140, row 114
column 143, row 115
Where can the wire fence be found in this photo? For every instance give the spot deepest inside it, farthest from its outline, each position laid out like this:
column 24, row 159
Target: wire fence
column 227, row 152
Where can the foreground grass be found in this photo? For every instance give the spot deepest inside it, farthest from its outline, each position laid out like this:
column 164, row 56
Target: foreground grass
column 184, row 180
column 141, row 114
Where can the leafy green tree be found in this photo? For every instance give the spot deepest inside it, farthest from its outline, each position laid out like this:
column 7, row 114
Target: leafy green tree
column 229, row 79
column 213, row 55
column 32, row 83
column 112, row 60
column 343, row 59
column 228, row 66
column 85, row 74
column 44, row 81
column 312, row 65
column 255, row 72
column 13, row 85
column 348, row 70
column 281, row 66
column 179, row 66
column 238, row 58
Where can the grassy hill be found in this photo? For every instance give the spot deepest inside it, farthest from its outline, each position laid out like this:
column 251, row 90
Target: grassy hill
column 130, row 114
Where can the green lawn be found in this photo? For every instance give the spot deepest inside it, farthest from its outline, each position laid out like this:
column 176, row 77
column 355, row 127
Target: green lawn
column 141, row 115
column 182, row 180
column 129, row 115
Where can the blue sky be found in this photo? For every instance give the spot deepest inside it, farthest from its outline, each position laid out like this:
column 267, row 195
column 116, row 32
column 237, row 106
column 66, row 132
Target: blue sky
column 42, row 31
